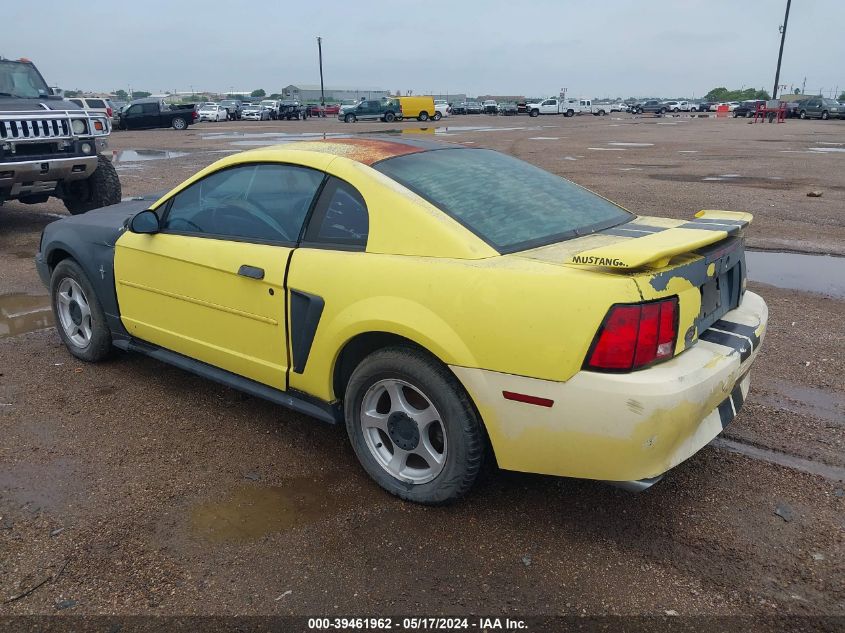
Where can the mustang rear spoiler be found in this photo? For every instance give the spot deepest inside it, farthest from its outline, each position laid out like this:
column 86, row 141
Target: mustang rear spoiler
column 654, row 250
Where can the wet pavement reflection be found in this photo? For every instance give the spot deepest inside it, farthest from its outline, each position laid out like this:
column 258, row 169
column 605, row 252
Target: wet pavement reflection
column 22, row 313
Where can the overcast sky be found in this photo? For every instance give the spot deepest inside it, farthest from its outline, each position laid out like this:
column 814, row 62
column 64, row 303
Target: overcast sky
column 530, row 47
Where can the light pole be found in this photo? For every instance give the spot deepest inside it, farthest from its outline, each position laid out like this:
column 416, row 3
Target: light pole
column 780, row 53
column 320, row 55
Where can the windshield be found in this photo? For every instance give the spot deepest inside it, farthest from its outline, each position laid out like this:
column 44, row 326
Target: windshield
column 18, row 79
column 510, row 204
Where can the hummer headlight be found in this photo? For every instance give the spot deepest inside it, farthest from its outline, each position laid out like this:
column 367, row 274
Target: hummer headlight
column 78, row 126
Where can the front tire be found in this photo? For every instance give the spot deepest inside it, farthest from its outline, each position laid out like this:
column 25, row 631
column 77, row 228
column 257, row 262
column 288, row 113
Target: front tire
column 79, row 316
column 803, row 114
column 413, row 427
column 437, row 116
column 423, row 116
column 101, row 189
column 349, row 118
column 534, row 113
column 825, row 115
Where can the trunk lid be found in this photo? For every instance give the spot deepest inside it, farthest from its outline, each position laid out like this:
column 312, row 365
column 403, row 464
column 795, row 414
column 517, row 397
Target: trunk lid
column 701, row 261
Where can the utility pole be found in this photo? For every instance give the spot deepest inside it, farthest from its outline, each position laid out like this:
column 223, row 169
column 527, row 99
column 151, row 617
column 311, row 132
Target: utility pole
column 780, row 53
column 320, row 55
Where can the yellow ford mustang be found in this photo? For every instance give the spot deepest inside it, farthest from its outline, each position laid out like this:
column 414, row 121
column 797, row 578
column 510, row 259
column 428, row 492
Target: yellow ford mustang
column 448, row 303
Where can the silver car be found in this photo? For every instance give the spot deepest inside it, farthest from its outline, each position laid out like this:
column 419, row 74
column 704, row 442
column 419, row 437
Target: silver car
column 256, row 113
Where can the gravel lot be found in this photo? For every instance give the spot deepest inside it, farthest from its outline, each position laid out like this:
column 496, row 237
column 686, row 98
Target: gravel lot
column 140, row 489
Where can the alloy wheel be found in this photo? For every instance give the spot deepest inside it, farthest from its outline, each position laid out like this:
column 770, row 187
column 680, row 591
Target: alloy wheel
column 403, row 431
column 74, row 312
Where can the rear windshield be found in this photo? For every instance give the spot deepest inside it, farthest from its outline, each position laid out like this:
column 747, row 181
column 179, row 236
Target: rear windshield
column 508, row 203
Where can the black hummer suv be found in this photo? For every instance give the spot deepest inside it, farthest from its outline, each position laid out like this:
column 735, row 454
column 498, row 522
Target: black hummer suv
column 49, row 146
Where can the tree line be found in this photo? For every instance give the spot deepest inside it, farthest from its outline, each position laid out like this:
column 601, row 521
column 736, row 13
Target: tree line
column 723, row 94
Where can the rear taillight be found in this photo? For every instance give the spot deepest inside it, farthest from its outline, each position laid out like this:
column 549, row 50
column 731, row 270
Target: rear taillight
column 633, row 336
column 110, row 112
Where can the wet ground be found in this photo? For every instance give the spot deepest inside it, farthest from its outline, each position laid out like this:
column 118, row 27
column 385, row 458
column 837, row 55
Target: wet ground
column 133, row 488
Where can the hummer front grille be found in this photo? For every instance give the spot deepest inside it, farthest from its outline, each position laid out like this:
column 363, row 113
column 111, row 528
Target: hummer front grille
column 19, row 129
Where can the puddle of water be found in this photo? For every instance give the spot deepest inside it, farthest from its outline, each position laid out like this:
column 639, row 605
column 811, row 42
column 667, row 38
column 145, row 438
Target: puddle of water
column 139, row 155
column 630, row 168
column 827, row 149
column 251, row 512
column 821, row 274
column 688, row 151
column 817, row 403
column 632, row 144
column 544, row 138
column 608, row 149
column 732, row 179
column 20, row 313
column 781, row 459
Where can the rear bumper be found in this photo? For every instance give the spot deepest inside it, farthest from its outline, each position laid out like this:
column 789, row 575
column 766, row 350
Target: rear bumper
column 623, row 427
column 33, row 177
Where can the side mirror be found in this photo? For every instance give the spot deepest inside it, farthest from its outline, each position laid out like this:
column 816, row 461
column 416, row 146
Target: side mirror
column 145, row 222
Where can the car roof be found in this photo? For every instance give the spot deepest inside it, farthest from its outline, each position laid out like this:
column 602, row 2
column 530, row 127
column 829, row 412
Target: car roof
column 368, row 150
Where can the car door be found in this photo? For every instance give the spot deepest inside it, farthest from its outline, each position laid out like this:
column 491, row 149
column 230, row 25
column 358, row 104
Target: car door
column 211, row 284
column 133, row 117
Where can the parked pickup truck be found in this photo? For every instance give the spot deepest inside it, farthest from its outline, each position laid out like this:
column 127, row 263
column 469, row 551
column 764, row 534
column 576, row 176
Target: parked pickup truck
column 152, row 113
column 382, row 110
column 51, row 147
column 567, row 107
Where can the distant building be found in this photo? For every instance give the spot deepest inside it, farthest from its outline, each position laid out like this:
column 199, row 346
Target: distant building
column 452, row 97
column 500, row 98
column 306, row 93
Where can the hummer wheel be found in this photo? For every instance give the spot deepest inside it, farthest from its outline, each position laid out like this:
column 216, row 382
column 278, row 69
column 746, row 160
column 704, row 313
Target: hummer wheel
column 101, row 189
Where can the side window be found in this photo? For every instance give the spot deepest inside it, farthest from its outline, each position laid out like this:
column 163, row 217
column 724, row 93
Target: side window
column 134, row 110
column 149, row 108
column 77, row 102
column 265, row 203
column 340, row 217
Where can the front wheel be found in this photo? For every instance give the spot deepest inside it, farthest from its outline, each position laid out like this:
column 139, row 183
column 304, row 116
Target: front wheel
column 534, row 113
column 803, row 114
column 389, row 117
column 423, row 116
column 437, row 116
column 101, row 189
column 79, row 317
column 825, row 116
column 349, row 118
column 412, row 426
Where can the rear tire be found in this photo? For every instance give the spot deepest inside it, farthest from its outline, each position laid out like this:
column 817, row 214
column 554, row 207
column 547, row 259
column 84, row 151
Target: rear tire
column 101, row 189
column 825, row 115
column 437, row 116
column 389, row 117
column 80, row 319
column 179, row 123
column 802, row 114
column 398, row 387
column 423, row 116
